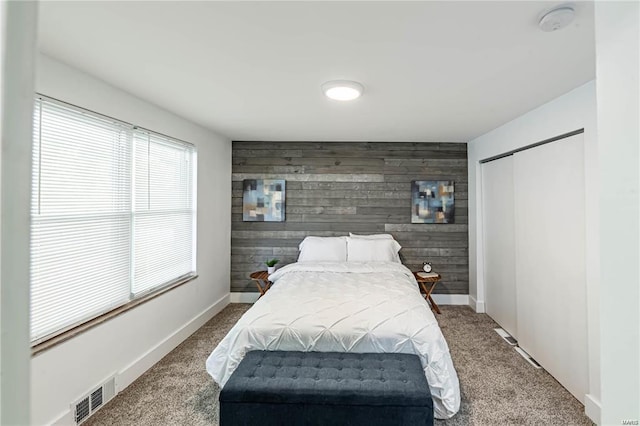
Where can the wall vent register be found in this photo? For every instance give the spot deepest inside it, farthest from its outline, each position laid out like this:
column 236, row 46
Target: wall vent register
column 93, row 401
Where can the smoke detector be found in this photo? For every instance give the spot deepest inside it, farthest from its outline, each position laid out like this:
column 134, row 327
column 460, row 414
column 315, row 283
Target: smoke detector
column 557, row 18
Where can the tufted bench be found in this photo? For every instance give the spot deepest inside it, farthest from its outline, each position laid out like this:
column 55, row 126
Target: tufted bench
column 326, row 388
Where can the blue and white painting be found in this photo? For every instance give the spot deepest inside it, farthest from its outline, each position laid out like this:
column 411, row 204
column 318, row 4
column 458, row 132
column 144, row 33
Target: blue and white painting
column 432, row 201
column 263, row 200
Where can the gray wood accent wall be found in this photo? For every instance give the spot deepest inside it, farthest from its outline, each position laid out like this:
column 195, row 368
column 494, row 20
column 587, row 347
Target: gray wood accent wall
column 334, row 188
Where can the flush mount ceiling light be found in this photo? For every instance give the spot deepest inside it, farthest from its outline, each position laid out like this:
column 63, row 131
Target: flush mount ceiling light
column 342, row 90
column 557, row 18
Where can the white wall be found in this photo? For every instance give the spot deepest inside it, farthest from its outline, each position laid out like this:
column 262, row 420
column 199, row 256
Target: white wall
column 129, row 344
column 17, row 56
column 618, row 92
column 572, row 111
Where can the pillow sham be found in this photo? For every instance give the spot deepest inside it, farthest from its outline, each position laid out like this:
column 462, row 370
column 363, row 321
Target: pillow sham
column 323, row 249
column 377, row 250
column 372, row 236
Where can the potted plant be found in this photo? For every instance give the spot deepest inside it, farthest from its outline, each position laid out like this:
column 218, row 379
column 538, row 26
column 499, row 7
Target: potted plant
column 271, row 265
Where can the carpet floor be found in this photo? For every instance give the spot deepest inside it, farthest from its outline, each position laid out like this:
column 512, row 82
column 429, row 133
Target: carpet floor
column 498, row 386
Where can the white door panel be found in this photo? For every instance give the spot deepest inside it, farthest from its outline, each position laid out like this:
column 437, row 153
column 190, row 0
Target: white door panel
column 499, row 243
column 550, row 259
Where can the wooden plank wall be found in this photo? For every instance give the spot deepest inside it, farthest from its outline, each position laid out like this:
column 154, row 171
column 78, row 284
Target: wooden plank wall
column 333, row 188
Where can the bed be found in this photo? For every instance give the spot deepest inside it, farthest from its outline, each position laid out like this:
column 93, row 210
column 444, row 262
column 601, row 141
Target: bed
column 338, row 306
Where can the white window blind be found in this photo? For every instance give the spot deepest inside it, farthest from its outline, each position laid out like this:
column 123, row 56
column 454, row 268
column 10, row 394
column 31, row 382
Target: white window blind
column 113, row 215
column 164, row 213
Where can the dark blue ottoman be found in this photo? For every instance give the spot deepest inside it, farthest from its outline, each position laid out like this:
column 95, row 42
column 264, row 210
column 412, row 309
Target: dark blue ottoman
column 326, row 388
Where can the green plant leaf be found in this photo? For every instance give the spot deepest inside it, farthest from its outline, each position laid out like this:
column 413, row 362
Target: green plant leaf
column 272, row 262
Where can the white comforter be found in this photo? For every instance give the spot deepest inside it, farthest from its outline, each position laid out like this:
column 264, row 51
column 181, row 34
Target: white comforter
column 344, row 307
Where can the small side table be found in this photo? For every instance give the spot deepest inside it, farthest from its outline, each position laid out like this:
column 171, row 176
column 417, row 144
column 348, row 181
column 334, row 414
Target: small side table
column 262, row 281
column 427, row 285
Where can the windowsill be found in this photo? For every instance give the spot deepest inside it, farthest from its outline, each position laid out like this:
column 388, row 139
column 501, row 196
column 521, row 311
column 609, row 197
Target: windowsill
column 79, row 329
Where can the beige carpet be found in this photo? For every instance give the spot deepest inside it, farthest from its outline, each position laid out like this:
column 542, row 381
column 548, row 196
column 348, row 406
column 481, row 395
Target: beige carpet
column 498, row 386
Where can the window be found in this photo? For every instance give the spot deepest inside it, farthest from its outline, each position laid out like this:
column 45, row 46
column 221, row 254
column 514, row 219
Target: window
column 112, row 215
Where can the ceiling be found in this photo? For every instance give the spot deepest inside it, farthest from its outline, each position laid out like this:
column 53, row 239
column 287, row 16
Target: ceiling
column 432, row 71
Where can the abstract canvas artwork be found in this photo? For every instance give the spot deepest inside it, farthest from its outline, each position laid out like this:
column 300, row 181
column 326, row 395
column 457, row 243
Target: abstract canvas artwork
column 432, row 201
column 263, row 200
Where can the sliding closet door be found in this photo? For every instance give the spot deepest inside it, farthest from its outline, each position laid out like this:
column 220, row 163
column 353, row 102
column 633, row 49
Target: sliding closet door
column 499, row 243
column 550, row 259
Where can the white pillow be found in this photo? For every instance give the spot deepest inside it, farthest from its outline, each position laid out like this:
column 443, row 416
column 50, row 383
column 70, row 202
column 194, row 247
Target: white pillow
column 377, row 250
column 372, row 237
column 323, row 249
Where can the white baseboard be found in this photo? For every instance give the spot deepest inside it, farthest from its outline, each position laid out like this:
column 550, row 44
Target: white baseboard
column 155, row 354
column 244, row 297
column 440, row 299
column 65, row 419
column 134, row 370
column 451, row 299
column 592, row 408
column 476, row 305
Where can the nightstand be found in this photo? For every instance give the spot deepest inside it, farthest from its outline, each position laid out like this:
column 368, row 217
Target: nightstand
column 427, row 285
column 262, row 281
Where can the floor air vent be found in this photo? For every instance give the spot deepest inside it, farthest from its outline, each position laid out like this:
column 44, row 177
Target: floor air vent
column 89, row 404
column 506, row 336
column 528, row 357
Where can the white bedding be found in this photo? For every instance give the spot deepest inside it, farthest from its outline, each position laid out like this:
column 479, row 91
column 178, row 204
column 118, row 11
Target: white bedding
column 344, row 307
